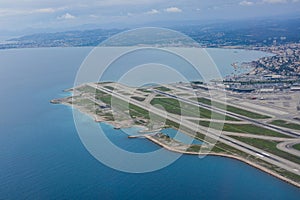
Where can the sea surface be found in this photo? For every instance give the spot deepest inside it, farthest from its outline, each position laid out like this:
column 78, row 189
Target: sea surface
column 42, row 157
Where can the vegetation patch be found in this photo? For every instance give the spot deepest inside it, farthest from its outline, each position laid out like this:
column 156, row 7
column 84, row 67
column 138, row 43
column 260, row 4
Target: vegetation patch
column 297, row 147
column 242, row 128
column 109, row 87
column 86, row 89
column 181, row 108
column 268, row 146
column 232, row 109
column 194, row 148
column 138, row 98
column 84, row 102
column 144, row 90
column 286, row 124
column 163, row 89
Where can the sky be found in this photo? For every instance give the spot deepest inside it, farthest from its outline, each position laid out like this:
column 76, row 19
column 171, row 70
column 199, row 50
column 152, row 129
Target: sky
column 18, row 15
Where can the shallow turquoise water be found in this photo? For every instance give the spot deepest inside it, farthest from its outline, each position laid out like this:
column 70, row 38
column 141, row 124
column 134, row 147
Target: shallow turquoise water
column 42, row 157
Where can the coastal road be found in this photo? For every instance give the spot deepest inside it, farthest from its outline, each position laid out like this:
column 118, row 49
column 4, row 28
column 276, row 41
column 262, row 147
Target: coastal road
column 268, row 157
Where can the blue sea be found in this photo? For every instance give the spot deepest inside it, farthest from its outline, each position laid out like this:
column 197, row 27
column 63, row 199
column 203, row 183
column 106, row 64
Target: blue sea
column 42, row 157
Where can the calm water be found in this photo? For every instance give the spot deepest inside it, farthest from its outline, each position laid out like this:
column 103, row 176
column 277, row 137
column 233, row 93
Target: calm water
column 41, row 156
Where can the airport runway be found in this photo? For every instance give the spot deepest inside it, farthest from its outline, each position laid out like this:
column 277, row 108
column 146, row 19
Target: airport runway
column 268, row 157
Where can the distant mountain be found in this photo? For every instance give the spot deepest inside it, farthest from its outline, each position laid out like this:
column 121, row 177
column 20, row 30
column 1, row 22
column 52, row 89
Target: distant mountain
column 234, row 33
column 61, row 39
column 250, row 32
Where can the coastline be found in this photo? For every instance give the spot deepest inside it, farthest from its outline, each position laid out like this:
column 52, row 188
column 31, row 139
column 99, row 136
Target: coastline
column 150, row 138
column 155, row 141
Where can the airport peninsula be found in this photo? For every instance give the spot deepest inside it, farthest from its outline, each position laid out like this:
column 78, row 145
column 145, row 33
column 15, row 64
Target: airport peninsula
column 263, row 131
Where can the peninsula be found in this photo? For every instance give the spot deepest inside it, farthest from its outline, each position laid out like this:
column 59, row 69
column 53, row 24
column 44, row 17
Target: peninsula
column 263, row 132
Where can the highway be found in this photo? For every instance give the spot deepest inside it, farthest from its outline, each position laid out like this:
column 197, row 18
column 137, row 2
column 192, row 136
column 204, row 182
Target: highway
column 270, row 158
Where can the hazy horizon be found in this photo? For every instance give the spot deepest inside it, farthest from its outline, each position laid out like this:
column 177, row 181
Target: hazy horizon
column 32, row 16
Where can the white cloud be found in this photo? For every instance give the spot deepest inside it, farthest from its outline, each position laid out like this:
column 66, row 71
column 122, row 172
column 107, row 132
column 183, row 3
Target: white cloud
column 45, row 13
column 66, row 16
column 125, row 2
column 45, row 10
column 93, row 16
column 274, row 1
column 251, row 3
column 173, row 10
column 15, row 12
column 152, row 12
column 246, row 3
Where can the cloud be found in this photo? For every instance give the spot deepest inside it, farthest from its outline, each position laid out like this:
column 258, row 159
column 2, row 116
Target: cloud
column 152, row 12
column 45, row 10
column 173, row 10
column 246, row 3
column 15, row 12
column 114, row 13
column 66, row 16
column 125, row 2
column 93, row 16
column 274, row 1
column 251, row 3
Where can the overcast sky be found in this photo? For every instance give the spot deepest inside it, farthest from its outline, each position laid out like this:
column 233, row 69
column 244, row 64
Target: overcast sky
column 60, row 14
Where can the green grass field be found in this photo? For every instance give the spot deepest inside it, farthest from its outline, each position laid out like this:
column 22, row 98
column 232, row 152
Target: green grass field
column 121, row 105
column 233, row 109
column 180, row 108
column 242, row 128
column 297, row 146
column 268, row 146
column 163, row 89
column 109, row 87
column 138, row 98
column 286, row 124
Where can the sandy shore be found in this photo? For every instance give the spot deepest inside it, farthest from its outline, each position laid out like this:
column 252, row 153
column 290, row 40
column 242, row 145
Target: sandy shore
column 227, row 156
